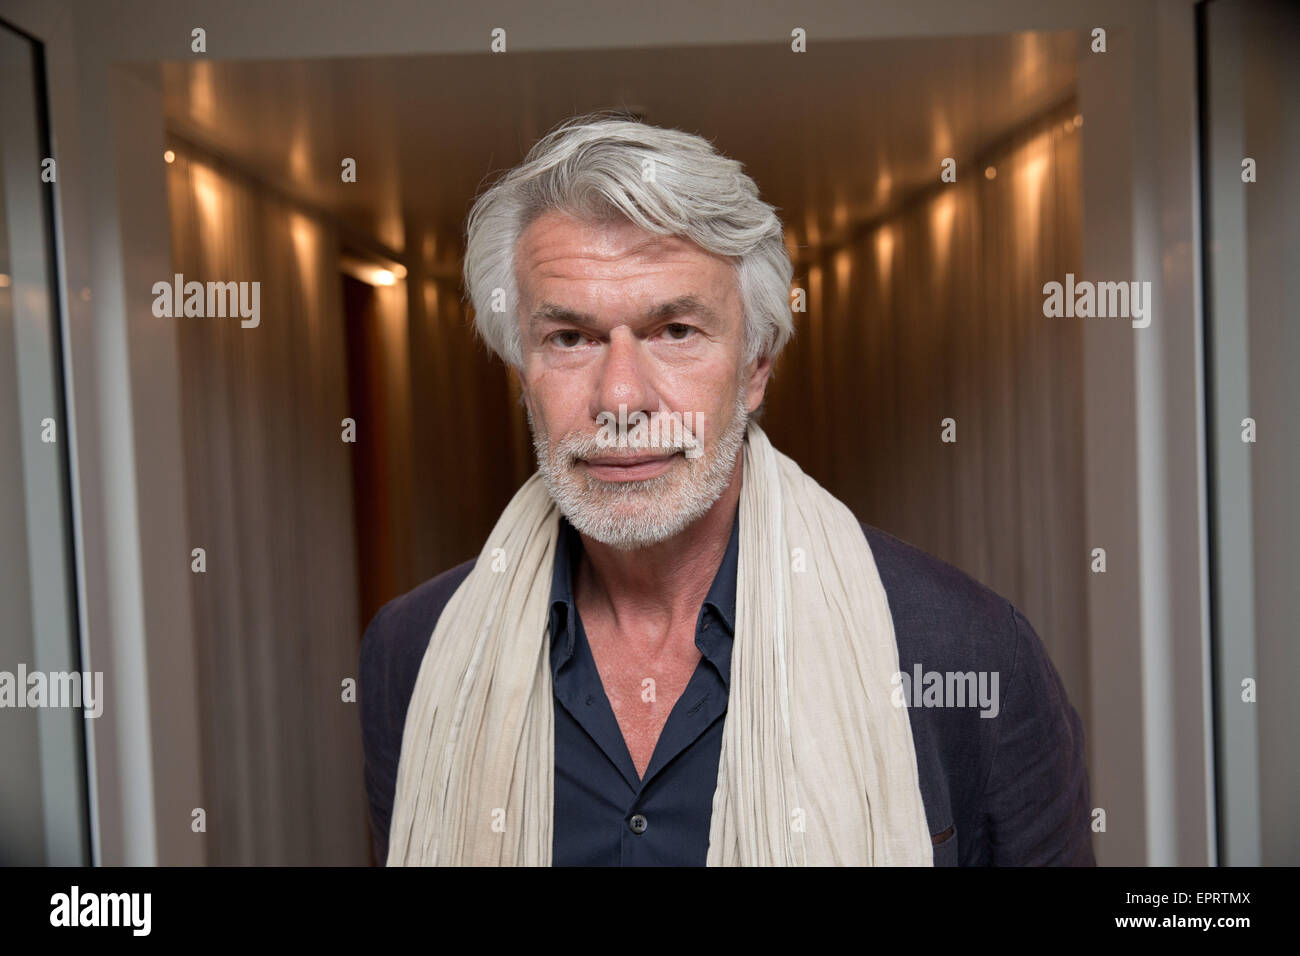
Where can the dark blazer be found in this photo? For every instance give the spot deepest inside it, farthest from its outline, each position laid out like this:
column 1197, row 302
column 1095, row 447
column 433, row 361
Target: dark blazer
column 1010, row 790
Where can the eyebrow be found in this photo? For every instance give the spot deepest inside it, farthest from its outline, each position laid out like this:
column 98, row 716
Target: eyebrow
column 682, row 305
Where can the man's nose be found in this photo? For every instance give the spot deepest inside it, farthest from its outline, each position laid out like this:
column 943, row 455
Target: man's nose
column 625, row 378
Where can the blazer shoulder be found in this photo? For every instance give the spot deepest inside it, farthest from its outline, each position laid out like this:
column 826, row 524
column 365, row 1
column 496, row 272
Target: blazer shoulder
column 940, row 611
column 401, row 628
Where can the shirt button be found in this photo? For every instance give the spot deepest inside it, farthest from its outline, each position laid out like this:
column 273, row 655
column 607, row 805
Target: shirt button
column 638, row 823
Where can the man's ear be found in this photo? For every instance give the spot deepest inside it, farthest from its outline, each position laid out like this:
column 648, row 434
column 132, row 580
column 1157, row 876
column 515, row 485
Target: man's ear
column 756, row 386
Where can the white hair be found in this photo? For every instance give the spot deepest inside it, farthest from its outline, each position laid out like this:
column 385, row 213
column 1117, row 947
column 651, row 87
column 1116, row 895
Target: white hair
column 595, row 167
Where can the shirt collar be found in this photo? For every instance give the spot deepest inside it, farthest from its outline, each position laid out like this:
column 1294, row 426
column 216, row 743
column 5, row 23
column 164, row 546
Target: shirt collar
column 719, row 603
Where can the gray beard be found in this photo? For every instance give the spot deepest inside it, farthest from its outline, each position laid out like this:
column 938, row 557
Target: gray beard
column 636, row 514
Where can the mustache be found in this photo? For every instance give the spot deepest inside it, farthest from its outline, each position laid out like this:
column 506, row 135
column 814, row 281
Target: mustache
column 579, row 447
column 679, row 437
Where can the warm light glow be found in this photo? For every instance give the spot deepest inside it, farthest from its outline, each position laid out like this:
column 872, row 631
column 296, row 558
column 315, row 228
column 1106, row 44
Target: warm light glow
column 1034, row 169
column 303, row 232
column 840, row 214
column 1078, row 120
column 990, row 172
column 376, row 272
column 300, row 227
column 843, row 269
column 884, row 183
column 207, row 196
column 203, row 100
column 4, row 280
column 169, row 156
column 1030, row 166
column 884, row 252
column 1032, row 59
column 942, row 135
column 941, row 216
column 299, row 159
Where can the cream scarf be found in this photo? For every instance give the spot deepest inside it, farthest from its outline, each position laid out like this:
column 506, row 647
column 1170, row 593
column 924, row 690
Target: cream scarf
column 817, row 766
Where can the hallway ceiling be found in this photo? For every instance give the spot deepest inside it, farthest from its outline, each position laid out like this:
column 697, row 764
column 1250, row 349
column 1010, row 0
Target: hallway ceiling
column 832, row 136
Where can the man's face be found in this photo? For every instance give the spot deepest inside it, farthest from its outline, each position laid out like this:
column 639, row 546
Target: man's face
column 617, row 320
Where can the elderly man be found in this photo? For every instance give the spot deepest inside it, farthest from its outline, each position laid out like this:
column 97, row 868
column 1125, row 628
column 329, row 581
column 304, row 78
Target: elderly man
column 675, row 647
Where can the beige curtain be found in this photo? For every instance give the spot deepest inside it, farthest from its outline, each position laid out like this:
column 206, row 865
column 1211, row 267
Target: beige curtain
column 936, row 314
column 270, row 500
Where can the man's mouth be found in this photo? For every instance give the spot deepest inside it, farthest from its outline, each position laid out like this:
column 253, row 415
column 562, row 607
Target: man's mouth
column 628, row 467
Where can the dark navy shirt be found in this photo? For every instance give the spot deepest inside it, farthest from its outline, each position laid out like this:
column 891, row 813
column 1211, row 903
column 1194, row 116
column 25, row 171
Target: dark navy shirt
column 1012, row 787
column 605, row 814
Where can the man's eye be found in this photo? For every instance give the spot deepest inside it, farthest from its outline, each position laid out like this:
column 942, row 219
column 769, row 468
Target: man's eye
column 567, row 338
column 678, row 330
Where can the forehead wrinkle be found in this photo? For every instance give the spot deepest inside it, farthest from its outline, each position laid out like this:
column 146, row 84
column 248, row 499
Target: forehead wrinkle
column 597, row 259
column 536, row 265
column 687, row 304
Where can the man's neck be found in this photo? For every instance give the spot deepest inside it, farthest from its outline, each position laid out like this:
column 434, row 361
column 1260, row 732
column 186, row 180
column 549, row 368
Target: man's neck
column 664, row 584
